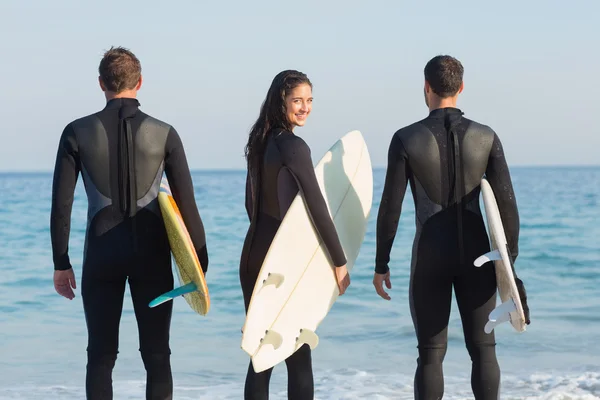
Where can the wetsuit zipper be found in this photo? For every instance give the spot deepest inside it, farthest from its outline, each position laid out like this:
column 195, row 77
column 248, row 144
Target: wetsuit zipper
column 127, row 182
column 458, row 189
column 132, row 182
column 122, row 162
column 454, row 158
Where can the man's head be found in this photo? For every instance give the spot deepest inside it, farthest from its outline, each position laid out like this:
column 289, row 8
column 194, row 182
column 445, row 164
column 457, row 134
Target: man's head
column 120, row 73
column 443, row 81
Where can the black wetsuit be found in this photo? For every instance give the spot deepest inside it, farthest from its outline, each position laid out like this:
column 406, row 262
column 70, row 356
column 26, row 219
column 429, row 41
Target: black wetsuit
column 121, row 154
column 287, row 167
column 450, row 235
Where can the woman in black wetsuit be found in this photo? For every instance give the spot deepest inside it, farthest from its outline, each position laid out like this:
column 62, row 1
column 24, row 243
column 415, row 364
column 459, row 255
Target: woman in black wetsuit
column 279, row 165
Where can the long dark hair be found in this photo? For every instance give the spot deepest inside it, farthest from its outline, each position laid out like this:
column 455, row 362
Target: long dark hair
column 272, row 117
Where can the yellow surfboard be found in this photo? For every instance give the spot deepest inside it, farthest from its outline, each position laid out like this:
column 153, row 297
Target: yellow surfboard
column 191, row 277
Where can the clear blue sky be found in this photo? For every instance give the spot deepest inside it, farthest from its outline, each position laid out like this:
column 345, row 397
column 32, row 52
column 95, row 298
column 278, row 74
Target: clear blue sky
column 531, row 70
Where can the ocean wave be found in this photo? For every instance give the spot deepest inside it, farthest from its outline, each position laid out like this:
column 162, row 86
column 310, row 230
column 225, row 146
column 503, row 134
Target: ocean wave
column 341, row 385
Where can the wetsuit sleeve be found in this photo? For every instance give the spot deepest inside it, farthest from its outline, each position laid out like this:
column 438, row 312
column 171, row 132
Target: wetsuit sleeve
column 180, row 181
column 66, row 172
column 390, row 207
column 297, row 158
column 498, row 176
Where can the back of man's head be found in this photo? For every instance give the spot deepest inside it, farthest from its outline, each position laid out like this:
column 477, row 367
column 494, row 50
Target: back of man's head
column 119, row 70
column 445, row 75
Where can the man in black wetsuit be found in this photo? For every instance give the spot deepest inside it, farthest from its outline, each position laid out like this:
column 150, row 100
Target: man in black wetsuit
column 121, row 154
column 444, row 158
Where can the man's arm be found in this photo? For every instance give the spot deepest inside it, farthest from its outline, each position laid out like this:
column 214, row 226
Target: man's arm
column 66, row 172
column 390, row 207
column 498, row 175
column 180, row 181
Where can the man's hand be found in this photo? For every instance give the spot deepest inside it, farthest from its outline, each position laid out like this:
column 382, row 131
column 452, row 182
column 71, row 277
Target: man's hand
column 378, row 280
column 523, row 298
column 64, row 283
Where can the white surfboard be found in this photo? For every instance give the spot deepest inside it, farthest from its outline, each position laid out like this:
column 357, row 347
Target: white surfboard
column 296, row 286
column 510, row 309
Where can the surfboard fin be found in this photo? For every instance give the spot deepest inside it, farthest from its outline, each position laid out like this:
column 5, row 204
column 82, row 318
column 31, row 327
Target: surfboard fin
column 505, row 308
column 489, row 327
column 273, row 338
column 180, row 291
column 309, row 337
column 491, row 256
column 500, row 314
column 273, row 279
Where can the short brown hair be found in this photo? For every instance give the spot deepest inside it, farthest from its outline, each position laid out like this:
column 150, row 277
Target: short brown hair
column 119, row 69
column 445, row 75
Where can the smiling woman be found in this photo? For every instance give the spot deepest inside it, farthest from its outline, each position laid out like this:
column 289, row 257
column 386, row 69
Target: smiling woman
column 298, row 104
column 279, row 166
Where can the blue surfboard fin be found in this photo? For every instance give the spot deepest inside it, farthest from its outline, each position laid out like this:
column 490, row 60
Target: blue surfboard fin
column 180, row 291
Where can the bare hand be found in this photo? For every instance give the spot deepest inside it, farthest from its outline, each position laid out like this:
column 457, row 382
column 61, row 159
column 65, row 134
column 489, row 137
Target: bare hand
column 64, row 283
column 378, row 280
column 343, row 278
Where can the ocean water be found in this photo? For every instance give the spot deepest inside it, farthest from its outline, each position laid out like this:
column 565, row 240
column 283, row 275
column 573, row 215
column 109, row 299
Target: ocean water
column 367, row 348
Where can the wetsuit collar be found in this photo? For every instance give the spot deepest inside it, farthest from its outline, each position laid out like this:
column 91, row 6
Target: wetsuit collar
column 442, row 112
column 122, row 101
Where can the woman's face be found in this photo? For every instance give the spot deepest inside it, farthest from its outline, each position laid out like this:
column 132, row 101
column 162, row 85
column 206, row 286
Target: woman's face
column 298, row 104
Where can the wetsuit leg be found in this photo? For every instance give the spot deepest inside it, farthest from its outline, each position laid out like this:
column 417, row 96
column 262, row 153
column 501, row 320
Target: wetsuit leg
column 257, row 384
column 300, row 375
column 431, row 295
column 475, row 290
column 103, row 303
column 476, row 298
column 299, row 364
column 300, row 378
column 430, row 301
column 153, row 276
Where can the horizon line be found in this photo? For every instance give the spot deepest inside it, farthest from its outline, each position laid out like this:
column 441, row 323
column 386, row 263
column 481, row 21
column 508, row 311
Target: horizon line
column 238, row 169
